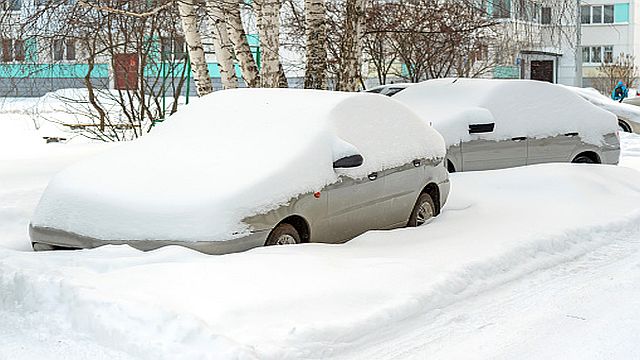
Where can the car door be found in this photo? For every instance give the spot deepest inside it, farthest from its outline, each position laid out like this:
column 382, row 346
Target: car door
column 355, row 206
column 483, row 153
column 403, row 184
column 552, row 149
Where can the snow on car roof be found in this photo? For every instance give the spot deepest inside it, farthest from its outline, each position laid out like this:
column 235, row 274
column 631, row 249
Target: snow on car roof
column 229, row 155
column 517, row 107
column 622, row 110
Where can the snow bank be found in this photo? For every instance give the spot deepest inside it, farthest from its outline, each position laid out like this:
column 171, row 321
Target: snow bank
column 317, row 300
column 227, row 156
column 517, row 107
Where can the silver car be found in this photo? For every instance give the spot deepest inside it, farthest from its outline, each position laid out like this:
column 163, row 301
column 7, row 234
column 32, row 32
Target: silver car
column 494, row 124
column 371, row 181
column 628, row 112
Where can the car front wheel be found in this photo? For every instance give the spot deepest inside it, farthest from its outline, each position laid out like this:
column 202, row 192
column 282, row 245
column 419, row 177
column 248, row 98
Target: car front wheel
column 283, row 234
column 423, row 211
column 583, row 159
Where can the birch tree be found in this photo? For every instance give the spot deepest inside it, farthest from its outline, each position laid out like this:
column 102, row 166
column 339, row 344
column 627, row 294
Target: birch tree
column 238, row 37
column 269, row 32
column 189, row 20
column 316, row 47
column 221, row 43
column 351, row 46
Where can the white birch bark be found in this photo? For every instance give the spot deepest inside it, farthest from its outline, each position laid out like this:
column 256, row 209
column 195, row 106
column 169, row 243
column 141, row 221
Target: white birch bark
column 351, row 47
column 269, row 33
column 316, row 33
column 221, row 43
column 240, row 44
column 189, row 20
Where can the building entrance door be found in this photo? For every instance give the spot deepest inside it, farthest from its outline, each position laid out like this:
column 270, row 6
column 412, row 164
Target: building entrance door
column 542, row 70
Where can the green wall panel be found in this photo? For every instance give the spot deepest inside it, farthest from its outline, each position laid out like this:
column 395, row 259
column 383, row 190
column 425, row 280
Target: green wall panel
column 621, row 13
column 60, row 71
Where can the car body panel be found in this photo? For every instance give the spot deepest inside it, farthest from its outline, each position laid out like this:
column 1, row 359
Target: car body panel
column 552, row 149
column 390, row 208
column 482, row 154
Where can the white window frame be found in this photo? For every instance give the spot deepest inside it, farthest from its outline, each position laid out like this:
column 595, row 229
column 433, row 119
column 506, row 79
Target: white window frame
column 591, row 48
column 602, row 22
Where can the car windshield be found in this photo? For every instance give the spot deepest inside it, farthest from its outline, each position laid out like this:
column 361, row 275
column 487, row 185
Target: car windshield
column 394, row 91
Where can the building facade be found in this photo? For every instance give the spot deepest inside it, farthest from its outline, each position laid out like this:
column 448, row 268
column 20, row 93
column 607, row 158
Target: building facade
column 53, row 57
column 610, row 28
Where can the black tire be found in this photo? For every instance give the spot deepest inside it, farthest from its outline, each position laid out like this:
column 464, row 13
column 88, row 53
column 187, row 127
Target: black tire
column 450, row 168
column 424, row 203
column 279, row 236
column 583, row 159
column 624, row 126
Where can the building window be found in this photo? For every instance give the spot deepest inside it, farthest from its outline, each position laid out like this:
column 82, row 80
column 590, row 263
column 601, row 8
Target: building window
column 19, row 52
column 597, row 54
column 70, row 47
column 502, row 9
column 172, row 48
column 13, row 5
column 58, row 49
column 546, row 16
column 597, row 14
column 608, row 54
column 608, row 14
column 64, row 49
column 585, row 14
column 586, row 55
column 7, row 50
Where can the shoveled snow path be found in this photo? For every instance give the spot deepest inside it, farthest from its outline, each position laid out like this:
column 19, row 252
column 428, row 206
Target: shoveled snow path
column 585, row 308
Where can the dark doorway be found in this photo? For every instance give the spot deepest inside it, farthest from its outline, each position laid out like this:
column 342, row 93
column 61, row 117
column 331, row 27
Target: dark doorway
column 125, row 67
column 542, row 70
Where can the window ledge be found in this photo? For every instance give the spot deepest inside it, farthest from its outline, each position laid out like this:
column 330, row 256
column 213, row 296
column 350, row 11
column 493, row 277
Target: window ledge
column 607, row 24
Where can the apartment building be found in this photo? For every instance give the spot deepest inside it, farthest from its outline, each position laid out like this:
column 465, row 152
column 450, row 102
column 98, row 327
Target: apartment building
column 609, row 28
column 54, row 57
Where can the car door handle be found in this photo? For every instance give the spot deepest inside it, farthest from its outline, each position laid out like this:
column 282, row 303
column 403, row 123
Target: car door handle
column 373, row 176
column 518, row 139
column 571, row 134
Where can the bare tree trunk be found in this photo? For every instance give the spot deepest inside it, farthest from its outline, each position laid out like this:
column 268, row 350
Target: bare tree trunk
column 240, row 43
column 351, row 49
column 269, row 33
column 222, row 43
column 193, row 39
column 315, row 76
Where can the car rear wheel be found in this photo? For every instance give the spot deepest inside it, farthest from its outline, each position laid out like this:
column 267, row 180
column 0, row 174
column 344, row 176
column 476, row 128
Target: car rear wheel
column 283, row 234
column 423, row 211
column 622, row 126
column 583, row 159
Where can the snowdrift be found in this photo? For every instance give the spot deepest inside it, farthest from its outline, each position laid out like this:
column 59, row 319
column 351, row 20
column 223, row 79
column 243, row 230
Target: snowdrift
column 318, row 300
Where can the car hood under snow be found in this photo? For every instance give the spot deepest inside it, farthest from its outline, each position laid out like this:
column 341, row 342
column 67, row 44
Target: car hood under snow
column 227, row 156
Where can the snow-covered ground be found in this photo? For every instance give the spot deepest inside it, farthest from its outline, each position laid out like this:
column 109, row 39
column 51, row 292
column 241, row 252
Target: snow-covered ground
column 534, row 262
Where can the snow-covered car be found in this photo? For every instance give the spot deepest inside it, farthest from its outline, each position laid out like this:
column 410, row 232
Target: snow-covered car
column 244, row 168
column 389, row 89
column 627, row 112
column 493, row 124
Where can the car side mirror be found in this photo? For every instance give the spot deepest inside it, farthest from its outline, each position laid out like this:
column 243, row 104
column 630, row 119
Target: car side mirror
column 481, row 128
column 346, row 162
